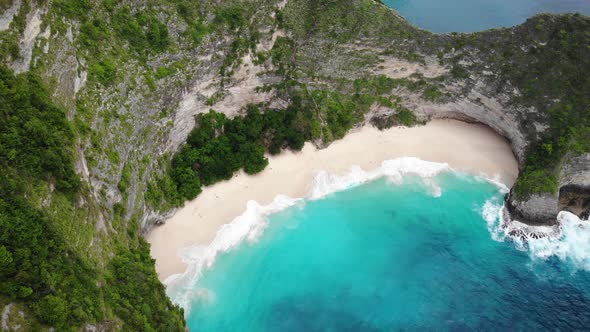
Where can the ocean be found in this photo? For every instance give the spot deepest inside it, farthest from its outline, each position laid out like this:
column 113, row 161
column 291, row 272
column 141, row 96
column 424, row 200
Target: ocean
column 477, row 15
column 411, row 246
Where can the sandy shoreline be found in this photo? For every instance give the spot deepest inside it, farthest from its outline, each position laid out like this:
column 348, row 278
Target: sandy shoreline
column 466, row 147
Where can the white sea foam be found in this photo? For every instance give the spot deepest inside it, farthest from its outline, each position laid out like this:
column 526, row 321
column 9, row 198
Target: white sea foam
column 572, row 245
column 492, row 214
column 326, row 183
column 247, row 226
column 183, row 288
column 568, row 240
column 435, row 189
column 496, row 180
column 502, row 228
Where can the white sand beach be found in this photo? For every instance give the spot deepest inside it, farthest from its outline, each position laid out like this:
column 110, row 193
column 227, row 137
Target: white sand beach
column 465, row 147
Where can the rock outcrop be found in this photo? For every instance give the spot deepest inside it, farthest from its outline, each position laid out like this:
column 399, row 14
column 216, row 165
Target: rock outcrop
column 574, row 191
column 573, row 196
column 537, row 209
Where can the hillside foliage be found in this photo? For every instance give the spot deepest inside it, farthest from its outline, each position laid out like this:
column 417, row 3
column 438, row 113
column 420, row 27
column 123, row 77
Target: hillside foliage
column 38, row 266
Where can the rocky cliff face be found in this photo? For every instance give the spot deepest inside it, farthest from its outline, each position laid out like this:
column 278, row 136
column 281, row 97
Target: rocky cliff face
column 574, row 191
column 573, row 195
column 538, row 209
column 452, row 76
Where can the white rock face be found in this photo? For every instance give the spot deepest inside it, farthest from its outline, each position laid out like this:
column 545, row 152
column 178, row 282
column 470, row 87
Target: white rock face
column 192, row 103
column 574, row 181
column 32, row 30
column 80, row 81
column 576, row 172
column 5, row 314
column 399, row 68
column 475, row 107
column 8, row 15
column 243, row 91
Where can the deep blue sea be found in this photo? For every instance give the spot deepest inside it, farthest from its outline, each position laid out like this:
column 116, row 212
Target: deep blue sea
column 476, row 15
column 388, row 255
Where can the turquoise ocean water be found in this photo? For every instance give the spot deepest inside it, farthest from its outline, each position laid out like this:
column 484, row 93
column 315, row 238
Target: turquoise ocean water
column 409, row 254
column 477, row 15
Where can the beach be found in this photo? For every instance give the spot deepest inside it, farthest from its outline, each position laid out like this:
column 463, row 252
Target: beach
column 471, row 148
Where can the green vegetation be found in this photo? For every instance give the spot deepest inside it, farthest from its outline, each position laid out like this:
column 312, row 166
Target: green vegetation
column 218, row 147
column 232, row 17
column 459, row 71
column 432, row 93
column 103, row 71
column 5, row 4
column 68, row 258
column 551, row 75
column 9, row 42
column 162, row 72
column 35, row 137
column 237, row 49
column 77, row 9
column 282, row 54
column 125, row 179
column 406, row 117
column 403, row 117
column 342, row 21
column 93, row 34
column 40, row 266
column 556, row 82
column 234, row 20
column 338, row 111
column 137, row 295
column 106, row 37
column 196, row 28
column 144, row 32
column 38, row 269
column 569, row 134
column 35, row 264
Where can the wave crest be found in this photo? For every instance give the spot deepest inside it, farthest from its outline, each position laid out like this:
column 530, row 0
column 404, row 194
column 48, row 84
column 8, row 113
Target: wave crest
column 572, row 245
column 568, row 240
column 326, row 183
column 249, row 225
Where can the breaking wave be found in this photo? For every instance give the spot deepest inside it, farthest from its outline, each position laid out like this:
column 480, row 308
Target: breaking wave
column 568, row 240
column 182, row 288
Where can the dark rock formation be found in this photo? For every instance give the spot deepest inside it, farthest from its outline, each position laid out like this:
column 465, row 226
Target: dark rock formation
column 538, row 209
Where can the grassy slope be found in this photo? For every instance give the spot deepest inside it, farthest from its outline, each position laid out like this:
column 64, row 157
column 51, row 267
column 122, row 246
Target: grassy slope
column 548, row 60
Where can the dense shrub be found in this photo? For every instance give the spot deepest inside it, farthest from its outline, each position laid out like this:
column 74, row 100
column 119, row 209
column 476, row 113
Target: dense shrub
column 556, row 82
column 77, row 9
column 103, row 71
column 282, row 53
column 35, row 137
column 232, row 17
column 144, row 32
column 137, row 295
column 218, row 147
column 38, row 266
column 35, row 264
